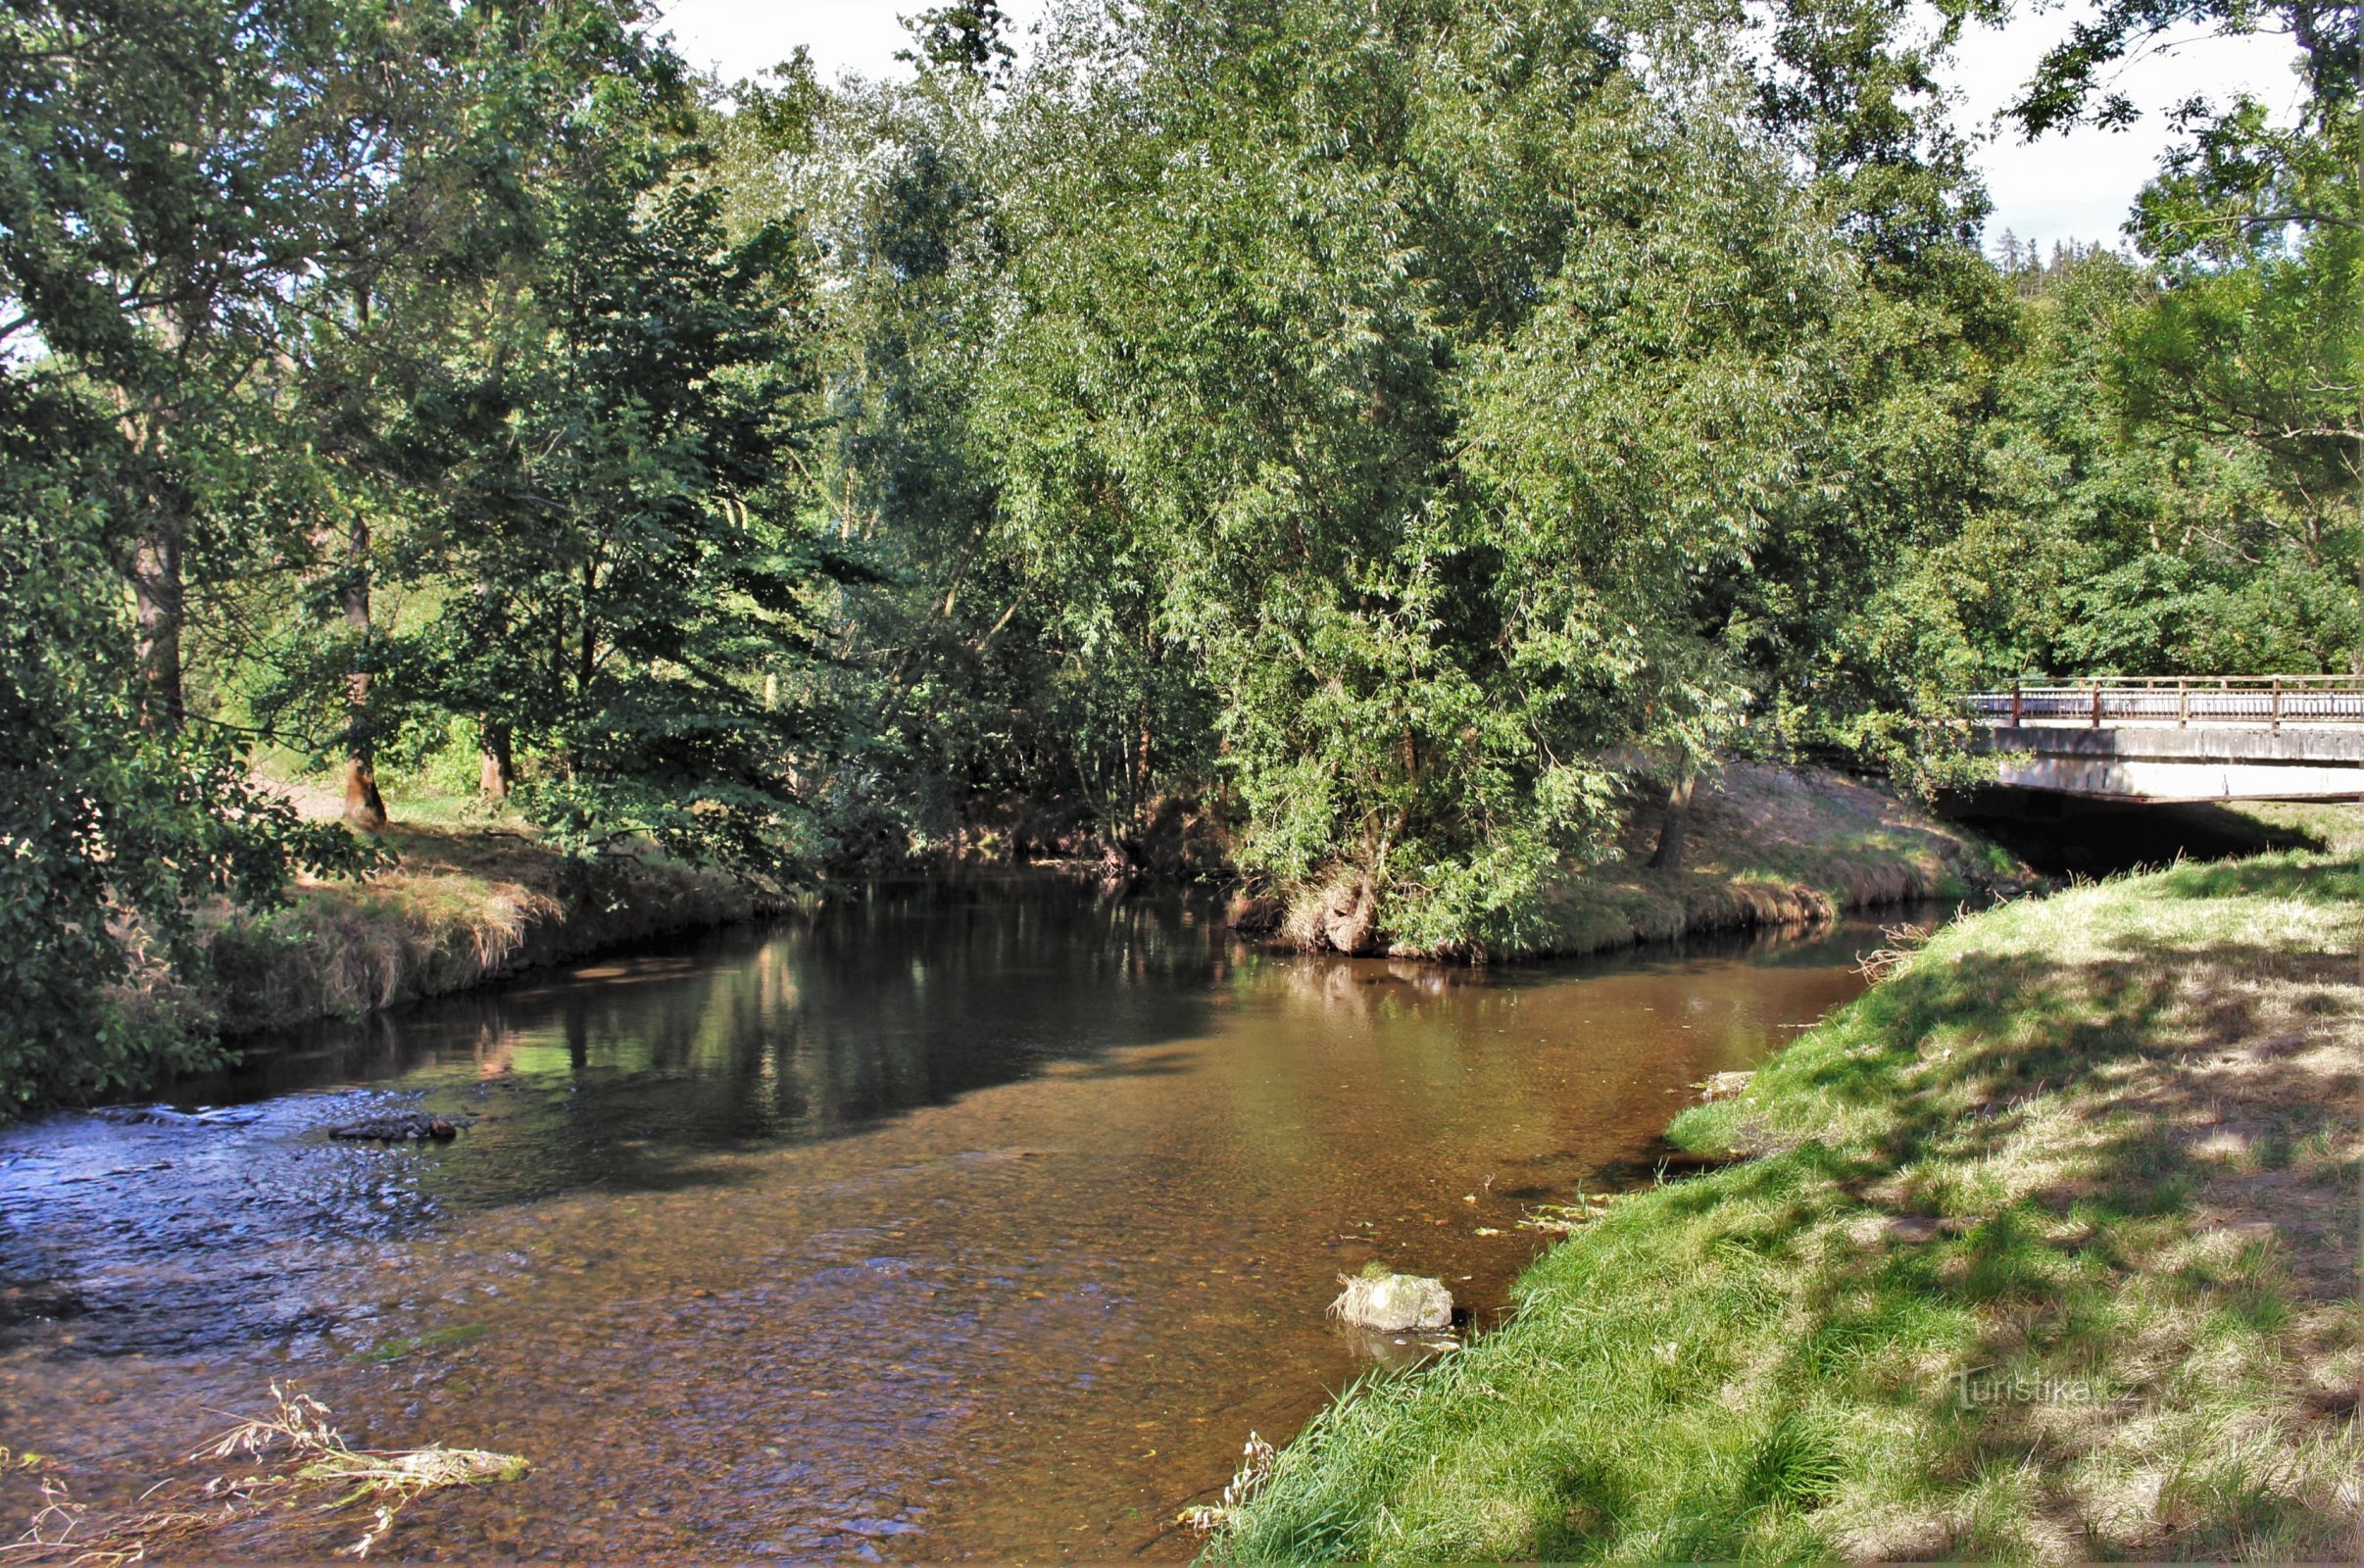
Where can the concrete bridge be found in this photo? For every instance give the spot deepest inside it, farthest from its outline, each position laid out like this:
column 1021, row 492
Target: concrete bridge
column 2217, row 738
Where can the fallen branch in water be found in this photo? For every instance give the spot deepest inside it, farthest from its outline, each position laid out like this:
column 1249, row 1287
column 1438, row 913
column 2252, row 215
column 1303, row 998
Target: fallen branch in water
column 304, row 1449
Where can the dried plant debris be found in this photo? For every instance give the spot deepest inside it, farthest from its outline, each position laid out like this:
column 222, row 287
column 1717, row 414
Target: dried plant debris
column 297, row 1456
column 1904, row 943
column 1256, row 1459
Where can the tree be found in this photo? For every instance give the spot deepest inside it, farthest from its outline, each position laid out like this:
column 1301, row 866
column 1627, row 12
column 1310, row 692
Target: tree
column 633, row 599
column 174, row 180
column 1323, row 382
column 112, row 834
column 2256, row 335
column 964, row 37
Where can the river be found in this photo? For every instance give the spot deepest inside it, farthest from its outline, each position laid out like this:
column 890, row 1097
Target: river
column 951, row 1224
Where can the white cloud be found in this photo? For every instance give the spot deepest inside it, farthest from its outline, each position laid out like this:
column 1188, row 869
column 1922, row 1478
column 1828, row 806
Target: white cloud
column 2078, row 185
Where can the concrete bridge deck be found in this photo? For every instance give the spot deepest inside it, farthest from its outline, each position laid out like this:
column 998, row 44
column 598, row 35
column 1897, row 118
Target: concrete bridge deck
column 2225, row 738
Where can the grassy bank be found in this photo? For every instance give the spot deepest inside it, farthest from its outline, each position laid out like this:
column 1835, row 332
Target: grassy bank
column 1770, row 846
column 2048, row 1250
column 1765, row 846
column 461, row 903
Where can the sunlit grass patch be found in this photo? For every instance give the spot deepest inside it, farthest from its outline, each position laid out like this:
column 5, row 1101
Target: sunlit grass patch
column 2048, row 1251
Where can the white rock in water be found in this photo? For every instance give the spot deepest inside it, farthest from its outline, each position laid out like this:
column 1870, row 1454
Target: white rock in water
column 1392, row 1302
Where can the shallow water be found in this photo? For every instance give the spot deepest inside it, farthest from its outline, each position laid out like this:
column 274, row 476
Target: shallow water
column 949, row 1226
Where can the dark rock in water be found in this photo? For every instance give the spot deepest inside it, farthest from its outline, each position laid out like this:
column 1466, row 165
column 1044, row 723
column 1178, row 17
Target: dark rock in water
column 405, row 1128
column 42, row 1300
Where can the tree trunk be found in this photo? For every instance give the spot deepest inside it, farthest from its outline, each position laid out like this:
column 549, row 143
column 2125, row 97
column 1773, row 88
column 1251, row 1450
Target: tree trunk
column 1669, row 854
column 364, row 808
column 156, row 590
column 494, row 769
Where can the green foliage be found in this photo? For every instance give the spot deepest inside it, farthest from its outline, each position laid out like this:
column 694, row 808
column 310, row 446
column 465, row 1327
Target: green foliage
column 964, row 36
column 1376, row 438
column 417, row 333
column 1442, row 388
column 637, row 608
column 2171, row 472
column 113, row 836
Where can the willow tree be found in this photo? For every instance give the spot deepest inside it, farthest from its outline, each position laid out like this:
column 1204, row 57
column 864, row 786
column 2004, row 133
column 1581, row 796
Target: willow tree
column 1419, row 377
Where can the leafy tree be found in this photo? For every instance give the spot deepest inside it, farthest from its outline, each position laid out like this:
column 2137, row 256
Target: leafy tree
column 174, row 180
column 111, row 834
column 964, row 37
column 1323, row 378
column 624, row 573
column 2255, row 339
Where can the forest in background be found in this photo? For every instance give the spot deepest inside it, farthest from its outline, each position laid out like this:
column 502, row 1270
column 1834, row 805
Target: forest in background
column 1358, row 446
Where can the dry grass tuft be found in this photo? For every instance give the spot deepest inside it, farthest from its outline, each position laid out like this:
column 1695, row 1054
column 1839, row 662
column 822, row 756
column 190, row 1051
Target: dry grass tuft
column 1257, row 1458
column 1883, row 963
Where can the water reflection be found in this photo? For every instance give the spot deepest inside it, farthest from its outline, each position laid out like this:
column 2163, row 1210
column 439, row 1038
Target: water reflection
column 942, row 1226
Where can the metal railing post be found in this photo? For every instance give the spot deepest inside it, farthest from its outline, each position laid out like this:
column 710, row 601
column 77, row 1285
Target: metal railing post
column 2016, row 705
column 2097, row 704
column 2183, row 705
column 2277, row 709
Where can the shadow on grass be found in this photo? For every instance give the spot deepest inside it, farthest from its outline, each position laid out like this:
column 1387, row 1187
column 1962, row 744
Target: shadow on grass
column 2060, row 1348
column 1978, row 1286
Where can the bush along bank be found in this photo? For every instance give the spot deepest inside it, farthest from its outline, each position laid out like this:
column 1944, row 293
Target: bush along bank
column 1762, row 846
column 2045, row 1249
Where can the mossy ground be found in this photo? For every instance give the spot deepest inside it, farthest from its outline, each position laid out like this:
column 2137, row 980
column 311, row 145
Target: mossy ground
column 2047, row 1250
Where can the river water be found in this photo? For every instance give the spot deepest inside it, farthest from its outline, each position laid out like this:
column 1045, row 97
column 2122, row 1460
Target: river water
column 949, row 1225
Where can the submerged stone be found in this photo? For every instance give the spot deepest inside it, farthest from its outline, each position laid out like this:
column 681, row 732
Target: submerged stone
column 407, row 1127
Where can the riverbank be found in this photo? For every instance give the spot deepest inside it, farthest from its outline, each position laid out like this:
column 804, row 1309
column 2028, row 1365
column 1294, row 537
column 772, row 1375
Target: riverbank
column 2045, row 1249
column 459, row 905
column 469, row 901
column 1764, row 846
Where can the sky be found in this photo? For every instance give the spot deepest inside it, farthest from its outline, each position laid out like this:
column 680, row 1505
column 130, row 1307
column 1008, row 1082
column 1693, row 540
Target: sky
column 2078, row 185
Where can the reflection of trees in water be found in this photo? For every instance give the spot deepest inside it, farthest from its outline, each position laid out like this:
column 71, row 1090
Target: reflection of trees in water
column 618, row 1071
column 630, row 1071
column 1382, row 988
column 1367, row 988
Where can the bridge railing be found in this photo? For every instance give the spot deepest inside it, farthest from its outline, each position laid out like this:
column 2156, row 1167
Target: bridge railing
column 2269, row 700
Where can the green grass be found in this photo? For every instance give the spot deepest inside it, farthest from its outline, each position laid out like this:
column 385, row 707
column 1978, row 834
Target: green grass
column 2048, row 1251
column 2337, row 827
